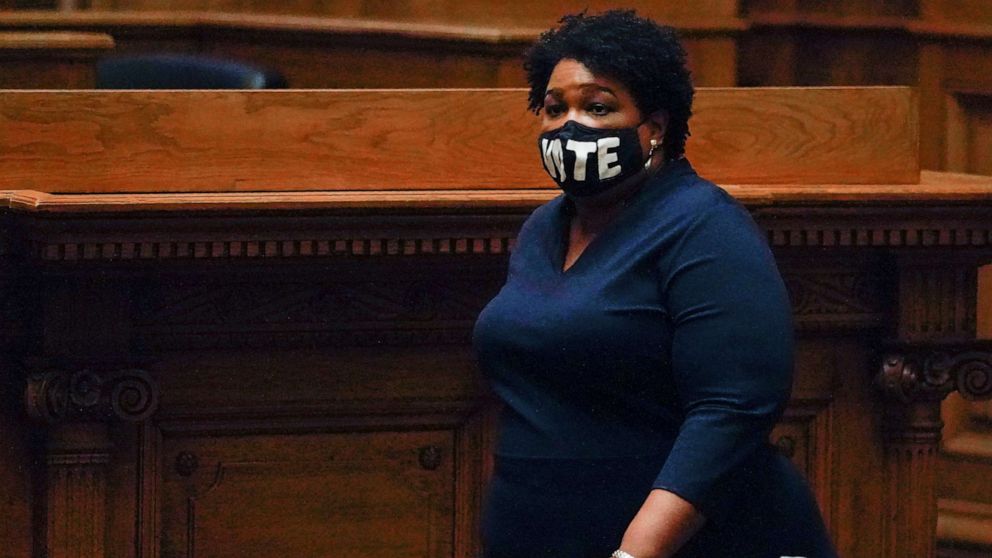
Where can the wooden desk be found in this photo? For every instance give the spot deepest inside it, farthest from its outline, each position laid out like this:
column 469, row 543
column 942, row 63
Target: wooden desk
column 259, row 305
column 351, row 51
column 51, row 60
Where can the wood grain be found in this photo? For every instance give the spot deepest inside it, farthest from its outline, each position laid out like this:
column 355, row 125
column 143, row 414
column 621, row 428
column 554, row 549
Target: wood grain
column 460, row 12
column 321, row 494
column 523, row 29
column 195, row 141
column 324, row 50
column 55, row 40
column 304, row 382
column 934, row 188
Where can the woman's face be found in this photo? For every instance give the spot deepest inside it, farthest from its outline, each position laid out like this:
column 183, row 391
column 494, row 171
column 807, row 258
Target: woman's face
column 575, row 93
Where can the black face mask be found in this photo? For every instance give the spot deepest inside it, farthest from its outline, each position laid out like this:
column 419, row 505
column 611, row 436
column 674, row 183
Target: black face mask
column 586, row 161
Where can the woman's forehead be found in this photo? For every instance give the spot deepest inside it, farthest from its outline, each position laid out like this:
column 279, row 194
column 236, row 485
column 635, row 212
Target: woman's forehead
column 572, row 75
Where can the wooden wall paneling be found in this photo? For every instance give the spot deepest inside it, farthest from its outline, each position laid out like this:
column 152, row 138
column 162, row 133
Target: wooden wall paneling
column 318, row 52
column 969, row 132
column 19, row 505
column 825, row 58
column 292, row 341
column 739, row 136
column 860, row 7
column 544, row 14
column 752, row 7
column 92, row 485
column 831, row 58
column 934, row 136
column 385, row 393
column 351, row 64
column 833, row 7
column 311, row 52
column 964, row 528
column 858, row 493
column 973, row 11
column 932, row 304
column 125, row 491
column 768, row 57
column 964, row 517
column 838, row 314
column 309, row 407
column 712, row 61
column 28, row 4
column 927, row 44
column 477, row 437
column 50, row 60
column 965, row 496
column 21, row 446
column 516, row 13
column 510, row 73
column 308, row 494
column 806, row 433
column 955, row 97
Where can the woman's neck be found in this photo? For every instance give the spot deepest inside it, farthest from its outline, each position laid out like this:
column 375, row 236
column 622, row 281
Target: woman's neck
column 592, row 214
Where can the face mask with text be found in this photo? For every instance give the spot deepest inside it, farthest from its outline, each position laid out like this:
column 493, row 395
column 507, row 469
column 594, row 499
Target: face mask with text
column 586, row 161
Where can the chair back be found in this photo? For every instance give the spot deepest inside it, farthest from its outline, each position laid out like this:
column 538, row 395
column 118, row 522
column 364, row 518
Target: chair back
column 180, row 71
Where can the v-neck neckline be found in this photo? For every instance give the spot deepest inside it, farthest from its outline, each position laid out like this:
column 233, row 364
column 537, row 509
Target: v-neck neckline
column 563, row 220
column 563, row 226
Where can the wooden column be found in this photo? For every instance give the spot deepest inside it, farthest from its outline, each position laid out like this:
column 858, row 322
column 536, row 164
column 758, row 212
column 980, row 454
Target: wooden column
column 936, row 354
column 78, row 407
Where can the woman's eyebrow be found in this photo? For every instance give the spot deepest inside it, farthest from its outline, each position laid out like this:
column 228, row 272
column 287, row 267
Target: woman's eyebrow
column 599, row 87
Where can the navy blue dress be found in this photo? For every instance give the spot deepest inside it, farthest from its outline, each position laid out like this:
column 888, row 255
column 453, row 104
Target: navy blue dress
column 660, row 359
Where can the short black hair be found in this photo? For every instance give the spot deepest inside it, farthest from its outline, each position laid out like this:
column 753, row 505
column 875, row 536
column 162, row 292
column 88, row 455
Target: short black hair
column 643, row 55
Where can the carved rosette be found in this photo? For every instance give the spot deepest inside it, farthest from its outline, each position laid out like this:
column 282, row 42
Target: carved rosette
column 86, row 395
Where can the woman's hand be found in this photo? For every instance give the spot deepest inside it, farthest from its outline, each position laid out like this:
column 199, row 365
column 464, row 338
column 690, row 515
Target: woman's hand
column 663, row 524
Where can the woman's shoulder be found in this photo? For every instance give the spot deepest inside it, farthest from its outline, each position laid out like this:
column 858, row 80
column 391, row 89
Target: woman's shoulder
column 696, row 217
column 540, row 216
column 690, row 198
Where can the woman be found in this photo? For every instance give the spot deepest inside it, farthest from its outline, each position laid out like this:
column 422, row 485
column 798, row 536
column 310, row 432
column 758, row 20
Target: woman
column 642, row 344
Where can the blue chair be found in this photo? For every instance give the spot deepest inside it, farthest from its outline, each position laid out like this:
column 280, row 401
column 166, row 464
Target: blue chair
column 181, row 71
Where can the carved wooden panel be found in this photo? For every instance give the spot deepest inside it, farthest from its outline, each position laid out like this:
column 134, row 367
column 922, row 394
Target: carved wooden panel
column 803, row 435
column 379, row 494
column 834, row 298
column 358, row 310
column 392, row 440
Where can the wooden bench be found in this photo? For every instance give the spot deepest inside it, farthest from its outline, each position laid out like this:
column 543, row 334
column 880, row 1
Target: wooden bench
column 51, row 59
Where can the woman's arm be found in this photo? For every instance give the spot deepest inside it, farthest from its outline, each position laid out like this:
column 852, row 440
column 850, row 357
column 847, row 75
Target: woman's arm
column 664, row 523
column 731, row 360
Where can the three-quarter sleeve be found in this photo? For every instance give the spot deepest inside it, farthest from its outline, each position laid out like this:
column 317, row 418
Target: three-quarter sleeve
column 732, row 352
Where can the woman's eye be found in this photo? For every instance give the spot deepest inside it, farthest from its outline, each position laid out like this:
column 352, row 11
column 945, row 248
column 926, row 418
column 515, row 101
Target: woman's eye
column 599, row 109
column 552, row 110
